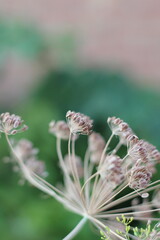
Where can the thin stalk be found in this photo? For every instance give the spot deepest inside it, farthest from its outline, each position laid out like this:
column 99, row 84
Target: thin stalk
column 108, row 200
column 67, row 176
column 70, row 159
column 88, row 186
column 36, row 183
column 125, row 214
column 48, row 184
column 106, row 193
column 74, row 162
column 130, row 196
column 146, row 219
column 101, row 224
column 74, row 232
column 76, row 178
column 99, row 195
column 86, row 161
column 125, row 209
column 105, row 149
column 100, row 163
column 62, row 164
column 86, row 174
column 89, row 179
column 116, row 148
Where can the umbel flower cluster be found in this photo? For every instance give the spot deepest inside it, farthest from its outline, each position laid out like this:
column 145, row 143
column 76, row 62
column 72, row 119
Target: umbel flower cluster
column 94, row 187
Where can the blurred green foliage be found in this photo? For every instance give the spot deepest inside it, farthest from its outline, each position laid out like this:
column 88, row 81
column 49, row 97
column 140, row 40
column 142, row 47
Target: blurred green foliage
column 25, row 212
column 101, row 93
column 21, row 38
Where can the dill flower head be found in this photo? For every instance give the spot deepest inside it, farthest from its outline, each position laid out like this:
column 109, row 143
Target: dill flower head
column 11, row 124
column 140, row 177
column 96, row 144
column 79, row 123
column 97, row 184
column 112, row 169
column 25, row 151
column 36, row 166
column 120, row 128
column 60, row 129
column 78, row 163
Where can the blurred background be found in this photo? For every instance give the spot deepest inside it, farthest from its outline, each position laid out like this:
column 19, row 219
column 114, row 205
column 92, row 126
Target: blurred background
column 99, row 57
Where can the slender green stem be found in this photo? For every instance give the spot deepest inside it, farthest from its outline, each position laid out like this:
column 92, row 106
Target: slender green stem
column 78, row 227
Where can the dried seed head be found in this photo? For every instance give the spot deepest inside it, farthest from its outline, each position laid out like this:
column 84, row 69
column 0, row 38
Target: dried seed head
column 79, row 123
column 153, row 153
column 120, row 128
column 60, row 129
column 114, row 124
column 138, row 152
column 96, row 142
column 143, row 150
column 11, row 124
column 95, row 157
column 24, row 149
column 36, row 166
column 112, row 169
column 140, row 177
column 132, row 140
column 78, row 163
column 96, row 145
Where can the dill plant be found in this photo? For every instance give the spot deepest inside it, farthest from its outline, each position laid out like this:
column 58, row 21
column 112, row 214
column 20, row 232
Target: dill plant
column 93, row 186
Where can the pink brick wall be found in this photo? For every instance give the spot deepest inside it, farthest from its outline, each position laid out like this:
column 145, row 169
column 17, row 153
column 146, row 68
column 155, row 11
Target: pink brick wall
column 120, row 33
